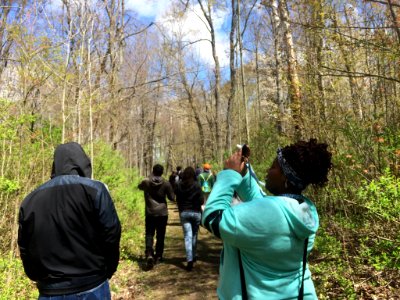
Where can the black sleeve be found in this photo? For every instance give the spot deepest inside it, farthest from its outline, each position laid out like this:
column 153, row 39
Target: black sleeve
column 111, row 230
column 199, row 195
column 143, row 185
column 24, row 234
column 170, row 191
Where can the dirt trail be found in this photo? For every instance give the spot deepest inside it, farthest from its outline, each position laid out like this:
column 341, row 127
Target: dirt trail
column 169, row 279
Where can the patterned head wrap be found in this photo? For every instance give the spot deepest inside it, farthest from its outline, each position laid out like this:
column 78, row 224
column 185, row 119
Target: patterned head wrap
column 288, row 171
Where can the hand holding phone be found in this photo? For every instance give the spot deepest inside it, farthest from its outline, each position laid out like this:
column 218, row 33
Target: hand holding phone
column 245, row 152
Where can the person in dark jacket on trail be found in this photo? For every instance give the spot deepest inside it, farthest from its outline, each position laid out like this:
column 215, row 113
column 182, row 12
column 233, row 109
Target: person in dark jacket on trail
column 189, row 199
column 198, row 171
column 69, row 231
column 175, row 177
column 156, row 190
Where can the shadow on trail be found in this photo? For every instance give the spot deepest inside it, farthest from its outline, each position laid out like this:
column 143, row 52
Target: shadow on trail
column 208, row 247
column 170, row 279
column 175, row 224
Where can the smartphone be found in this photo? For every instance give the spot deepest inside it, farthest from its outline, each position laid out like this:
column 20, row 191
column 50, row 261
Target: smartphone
column 245, row 151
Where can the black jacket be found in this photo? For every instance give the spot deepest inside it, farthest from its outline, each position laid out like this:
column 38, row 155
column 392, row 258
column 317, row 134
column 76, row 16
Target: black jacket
column 189, row 196
column 69, row 231
column 156, row 190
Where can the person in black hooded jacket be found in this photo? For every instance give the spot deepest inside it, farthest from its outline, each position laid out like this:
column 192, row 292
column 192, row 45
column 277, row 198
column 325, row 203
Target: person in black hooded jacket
column 69, row 231
column 156, row 190
column 189, row 198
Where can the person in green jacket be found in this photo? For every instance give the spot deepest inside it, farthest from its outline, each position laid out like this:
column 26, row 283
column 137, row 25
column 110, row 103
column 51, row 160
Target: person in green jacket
column 266, row 239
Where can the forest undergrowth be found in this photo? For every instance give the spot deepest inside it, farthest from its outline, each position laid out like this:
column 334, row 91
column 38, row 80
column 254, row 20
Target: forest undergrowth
column 356, row 254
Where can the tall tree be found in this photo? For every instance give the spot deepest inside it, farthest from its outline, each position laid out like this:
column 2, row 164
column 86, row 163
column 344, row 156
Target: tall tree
column 207, row 12
column 232, row 67
column 292, row 70
column 278, row 56
column 347, row 52
column 243, row 76
column 189, row 90
column 11, row 17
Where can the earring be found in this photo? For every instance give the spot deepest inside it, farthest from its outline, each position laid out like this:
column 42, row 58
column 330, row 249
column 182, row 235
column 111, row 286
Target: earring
column 286, row 186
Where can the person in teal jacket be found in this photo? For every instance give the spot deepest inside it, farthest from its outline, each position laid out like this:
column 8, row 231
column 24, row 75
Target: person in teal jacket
column 264, row 237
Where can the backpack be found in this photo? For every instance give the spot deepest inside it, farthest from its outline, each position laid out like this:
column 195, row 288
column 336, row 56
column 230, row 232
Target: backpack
column 205, row 186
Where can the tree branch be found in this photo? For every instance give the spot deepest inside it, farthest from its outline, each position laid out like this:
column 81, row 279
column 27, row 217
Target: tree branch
column 356, row 74
column 144, row 83
column 194, row 42
column 383, row 2
column 137, row 32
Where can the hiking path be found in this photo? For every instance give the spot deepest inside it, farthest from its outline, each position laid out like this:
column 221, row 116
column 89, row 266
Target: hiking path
column 169, row 279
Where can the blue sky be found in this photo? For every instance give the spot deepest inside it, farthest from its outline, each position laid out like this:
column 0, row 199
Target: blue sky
column 192, row 26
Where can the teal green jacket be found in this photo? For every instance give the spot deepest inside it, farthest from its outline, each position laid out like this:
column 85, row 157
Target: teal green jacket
column 269, row 231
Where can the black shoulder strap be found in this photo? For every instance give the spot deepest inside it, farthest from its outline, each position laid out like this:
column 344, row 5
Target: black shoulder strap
column 242, row 279
column 301, row 291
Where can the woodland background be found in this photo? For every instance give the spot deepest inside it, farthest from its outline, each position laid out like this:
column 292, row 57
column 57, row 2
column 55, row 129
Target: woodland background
column 135, row 93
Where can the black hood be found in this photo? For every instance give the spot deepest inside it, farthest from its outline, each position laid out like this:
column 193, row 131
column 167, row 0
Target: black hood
column 70, row 159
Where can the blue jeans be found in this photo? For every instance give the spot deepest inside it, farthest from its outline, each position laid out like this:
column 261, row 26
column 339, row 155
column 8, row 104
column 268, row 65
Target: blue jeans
column 100, row 292
column 190, row 221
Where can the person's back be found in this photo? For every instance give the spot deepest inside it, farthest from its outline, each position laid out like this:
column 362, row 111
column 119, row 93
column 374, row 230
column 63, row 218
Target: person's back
column 178, row 176
column 189, row 198
column 156, row 190
column 69, row 230
column 198, row 171
column 206, row 181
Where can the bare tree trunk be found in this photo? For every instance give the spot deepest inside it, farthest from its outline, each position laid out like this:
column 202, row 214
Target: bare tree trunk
column 395, row 21
column 259, row 124
column 189, row 93
column 11, row 12
column 65, row 81
column 115, row 10
column 244, row 95
column 152, row 129
column 232, row 94
column 217, row 74
column 355, row 101
column 294, row 83
column 239, row 107
column 148, row 133
column 318, row 13
column 3, row 160
column 89, row 79
column 14, row 235
column 276, row 25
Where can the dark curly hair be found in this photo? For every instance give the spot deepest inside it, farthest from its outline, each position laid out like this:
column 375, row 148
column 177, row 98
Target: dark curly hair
column 310, row 160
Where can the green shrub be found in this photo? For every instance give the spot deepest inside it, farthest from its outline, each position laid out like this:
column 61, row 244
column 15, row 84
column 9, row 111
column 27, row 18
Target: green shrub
column 109, row 167
column 8, row 185
column 13, row 282
column 382, row 254
column 382, row 197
